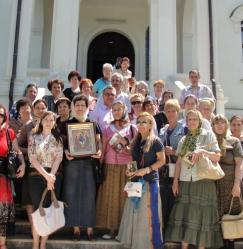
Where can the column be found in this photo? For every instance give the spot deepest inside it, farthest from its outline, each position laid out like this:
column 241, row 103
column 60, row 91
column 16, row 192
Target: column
column 163, row 43
column 24, row 39
column 201, row 40
column 64, row 40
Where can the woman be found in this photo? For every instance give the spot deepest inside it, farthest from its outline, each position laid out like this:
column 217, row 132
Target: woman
column 206, row 107
column 74, row 78
column 86, row 86
column 23, row 108
column 194, row 216
column 79, row 189
column 111, row 199
column 236, row 128
column 142, row 88
column 136, row 101
column 230, row 161
column 191, row 103
column 30, row 92
column 170, row 136
column 6, row 192
column 55, row 87
column 45, row 152
column 141, row 225
column 167, row 94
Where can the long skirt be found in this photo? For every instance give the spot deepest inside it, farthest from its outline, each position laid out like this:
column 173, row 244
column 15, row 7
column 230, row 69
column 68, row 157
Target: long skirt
column 194, row 217
column 141, row 224
column 79, row 191
column 111, row 197
column 7, row 211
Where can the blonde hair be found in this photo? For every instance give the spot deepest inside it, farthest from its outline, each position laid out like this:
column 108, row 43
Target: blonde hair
column 207, row 101
column 137, row 95
column 159, row 82
column 151, row 137
column 172, row 103
column 198, row 114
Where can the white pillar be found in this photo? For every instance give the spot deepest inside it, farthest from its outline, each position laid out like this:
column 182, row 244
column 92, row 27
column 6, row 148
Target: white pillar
column 201, row 41
column 64, row 36
column 163, row 44
column 24, row 39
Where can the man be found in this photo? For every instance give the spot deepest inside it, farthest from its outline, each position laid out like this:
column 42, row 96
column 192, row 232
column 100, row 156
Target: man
column 117, row 82
column 196, row 88
column 104, row 81
column 102, row 113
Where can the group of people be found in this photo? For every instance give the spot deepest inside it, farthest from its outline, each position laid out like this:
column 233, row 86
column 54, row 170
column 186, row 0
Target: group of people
column 156, row 131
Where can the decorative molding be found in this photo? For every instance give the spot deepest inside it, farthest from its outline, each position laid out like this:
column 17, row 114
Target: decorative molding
column 237, row 14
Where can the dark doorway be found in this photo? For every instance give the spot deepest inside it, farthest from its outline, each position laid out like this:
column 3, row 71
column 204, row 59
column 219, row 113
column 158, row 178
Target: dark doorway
column 106, row 47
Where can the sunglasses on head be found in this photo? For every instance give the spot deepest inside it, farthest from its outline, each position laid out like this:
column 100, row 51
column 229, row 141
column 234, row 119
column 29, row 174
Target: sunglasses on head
column 136, row 102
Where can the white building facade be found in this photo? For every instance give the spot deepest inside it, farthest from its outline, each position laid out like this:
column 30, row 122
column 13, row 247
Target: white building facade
column 163, row 38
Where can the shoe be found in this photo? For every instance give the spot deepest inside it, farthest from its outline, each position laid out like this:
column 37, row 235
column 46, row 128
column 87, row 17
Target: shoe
column 107, row 236
column 76, row 237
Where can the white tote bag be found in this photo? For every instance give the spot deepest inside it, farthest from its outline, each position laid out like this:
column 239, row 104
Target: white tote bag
column 48, row 220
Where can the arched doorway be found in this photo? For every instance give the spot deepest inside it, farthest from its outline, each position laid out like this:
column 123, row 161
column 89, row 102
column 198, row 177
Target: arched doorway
column 106, row 47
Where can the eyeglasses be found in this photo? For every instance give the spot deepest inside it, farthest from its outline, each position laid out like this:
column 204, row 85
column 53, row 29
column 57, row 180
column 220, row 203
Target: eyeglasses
column 136, row 102
column 2, row 115
column 109, row 94
column 143, row 122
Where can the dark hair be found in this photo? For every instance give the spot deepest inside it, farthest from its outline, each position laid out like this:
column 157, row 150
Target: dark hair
column 194, row 71
column 29, row 86
column 54, row 130
column 236, row 117
column 168, row 92
column 191, row 96
column 52, row 82
column 125, row 59
column 81, row 98
column 63, row 100
column 22, row 102
column 5, row 119
column 73, row 74
column 40, row 101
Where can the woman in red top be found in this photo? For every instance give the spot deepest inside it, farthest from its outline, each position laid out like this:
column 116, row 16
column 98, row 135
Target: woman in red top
column 6, row 196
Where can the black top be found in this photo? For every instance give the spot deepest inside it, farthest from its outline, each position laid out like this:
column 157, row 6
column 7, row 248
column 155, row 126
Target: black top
column 160, row 120
column 68, row 93
column 150, row 157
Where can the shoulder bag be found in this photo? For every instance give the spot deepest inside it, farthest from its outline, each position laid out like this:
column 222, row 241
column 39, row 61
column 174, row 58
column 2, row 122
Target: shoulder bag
column 48, row 220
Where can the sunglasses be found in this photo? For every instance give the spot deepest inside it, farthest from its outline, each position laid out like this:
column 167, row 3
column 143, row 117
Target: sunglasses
column 136, row 102
column 109, row 94
column 143, row 122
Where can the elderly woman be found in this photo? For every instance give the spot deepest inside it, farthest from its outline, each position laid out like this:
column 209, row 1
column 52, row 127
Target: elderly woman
column 236, row 128
column 79, row 187
column 206, row 107
column 55, row 87
column 170, row 136
column 142, row 87
column 7, row 213
column 194, row 216
column 141, row 225
column 230, row 161
column 191, row 103
column 111, row 199
column 136, row 101
column 104, row 81
column 86, row 87
column 74, row 79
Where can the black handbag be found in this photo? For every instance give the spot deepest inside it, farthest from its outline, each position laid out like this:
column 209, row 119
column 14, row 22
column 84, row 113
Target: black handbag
column 13, row 162
column 98, row 169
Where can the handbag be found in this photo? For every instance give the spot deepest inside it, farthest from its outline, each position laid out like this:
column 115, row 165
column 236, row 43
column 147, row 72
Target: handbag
column 232, row 225
column 98, row 170
column 48, row 220
column 13, row 162
column 206, row 169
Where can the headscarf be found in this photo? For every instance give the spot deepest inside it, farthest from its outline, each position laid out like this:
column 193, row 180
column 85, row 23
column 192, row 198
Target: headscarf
column 81, row 118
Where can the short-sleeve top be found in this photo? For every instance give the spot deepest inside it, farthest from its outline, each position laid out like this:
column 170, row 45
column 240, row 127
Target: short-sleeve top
column 68, row 93
column 3, row 141
column 150, row 157
column 44, row 149
column 206, row 139
column 227, row 162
